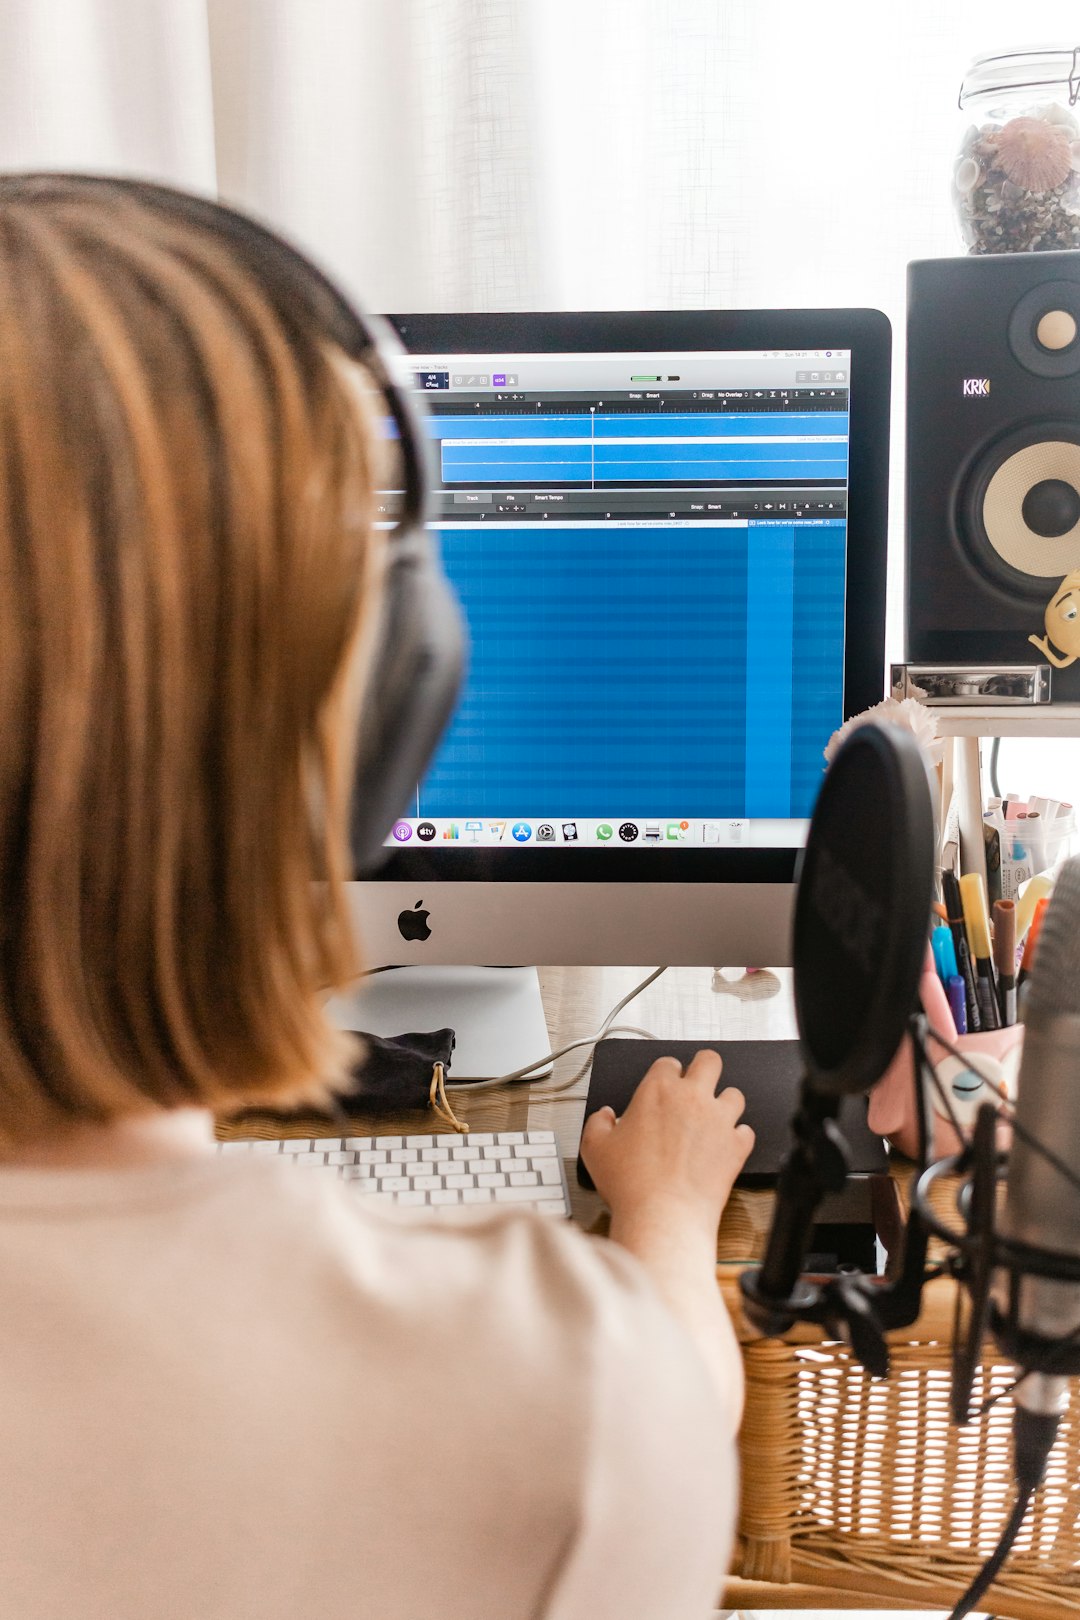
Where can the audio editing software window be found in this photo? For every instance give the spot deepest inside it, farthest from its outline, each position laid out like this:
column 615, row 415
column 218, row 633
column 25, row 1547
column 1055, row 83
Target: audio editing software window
column 650, row 552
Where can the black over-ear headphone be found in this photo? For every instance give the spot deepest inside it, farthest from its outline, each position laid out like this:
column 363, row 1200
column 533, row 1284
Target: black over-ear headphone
column 417, row 663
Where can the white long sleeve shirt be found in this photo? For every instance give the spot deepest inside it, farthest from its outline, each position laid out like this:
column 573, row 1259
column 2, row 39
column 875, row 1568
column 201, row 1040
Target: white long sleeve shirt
column 232, row 1392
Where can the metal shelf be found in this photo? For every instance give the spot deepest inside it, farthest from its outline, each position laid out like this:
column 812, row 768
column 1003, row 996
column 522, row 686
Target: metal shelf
column 992, row 720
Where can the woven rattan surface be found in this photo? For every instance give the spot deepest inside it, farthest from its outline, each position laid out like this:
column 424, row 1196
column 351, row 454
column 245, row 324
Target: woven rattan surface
column 867, row 1485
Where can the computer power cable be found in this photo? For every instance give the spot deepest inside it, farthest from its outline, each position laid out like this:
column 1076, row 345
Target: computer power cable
column 606, row 1028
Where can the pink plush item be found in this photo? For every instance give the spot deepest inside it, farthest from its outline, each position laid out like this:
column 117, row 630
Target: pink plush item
column 892, row 1111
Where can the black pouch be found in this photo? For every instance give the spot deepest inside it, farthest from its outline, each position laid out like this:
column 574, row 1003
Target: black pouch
column 400, row 1073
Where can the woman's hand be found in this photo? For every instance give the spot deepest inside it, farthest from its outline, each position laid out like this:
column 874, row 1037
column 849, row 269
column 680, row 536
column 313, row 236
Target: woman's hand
column 676, row 1151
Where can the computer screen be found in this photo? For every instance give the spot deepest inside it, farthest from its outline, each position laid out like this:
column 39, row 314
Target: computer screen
column 667, row 533
column 650, row 549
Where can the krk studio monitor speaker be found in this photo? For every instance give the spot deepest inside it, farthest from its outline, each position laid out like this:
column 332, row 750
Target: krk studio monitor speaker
column 993, row 463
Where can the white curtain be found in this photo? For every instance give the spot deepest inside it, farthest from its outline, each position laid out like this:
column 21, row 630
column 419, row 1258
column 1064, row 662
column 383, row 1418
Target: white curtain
column 538, row 153
column 531, row 153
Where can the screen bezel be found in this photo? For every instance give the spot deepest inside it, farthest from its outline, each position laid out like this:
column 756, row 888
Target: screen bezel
column 868, row 335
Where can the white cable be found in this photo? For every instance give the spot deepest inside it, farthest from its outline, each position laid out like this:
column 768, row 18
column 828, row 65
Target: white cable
column 541, row 1089
column 551, row 1057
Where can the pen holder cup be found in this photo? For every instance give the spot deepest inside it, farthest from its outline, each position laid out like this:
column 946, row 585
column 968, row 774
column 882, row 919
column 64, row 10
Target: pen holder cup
column 1059, row 839
column 893, row 1113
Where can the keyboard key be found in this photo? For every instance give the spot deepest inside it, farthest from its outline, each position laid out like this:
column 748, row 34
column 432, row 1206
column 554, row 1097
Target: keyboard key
column 526, row 1195
column 438, row 1172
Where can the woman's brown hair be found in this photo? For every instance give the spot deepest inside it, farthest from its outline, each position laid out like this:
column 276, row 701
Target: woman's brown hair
column 186, row 551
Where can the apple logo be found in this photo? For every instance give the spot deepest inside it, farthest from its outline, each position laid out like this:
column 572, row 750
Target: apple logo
column 414, row 924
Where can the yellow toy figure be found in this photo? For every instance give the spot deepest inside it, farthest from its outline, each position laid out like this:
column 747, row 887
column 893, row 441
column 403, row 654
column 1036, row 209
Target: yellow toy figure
column 1062, row 621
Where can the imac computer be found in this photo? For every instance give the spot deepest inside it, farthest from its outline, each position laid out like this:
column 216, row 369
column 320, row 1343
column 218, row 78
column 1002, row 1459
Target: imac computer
column 667, row 531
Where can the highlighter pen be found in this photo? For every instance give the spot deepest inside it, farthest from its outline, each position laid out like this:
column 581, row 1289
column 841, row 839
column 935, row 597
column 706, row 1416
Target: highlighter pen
column 958, row 1003
column 973, row 896
column 1005, row 958
column 954, row 910
column 1034, row 890
column 1032, row 945
column 941, row 943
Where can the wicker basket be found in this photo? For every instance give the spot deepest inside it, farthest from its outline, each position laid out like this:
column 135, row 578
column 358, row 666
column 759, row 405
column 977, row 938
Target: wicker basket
column 866, row 1488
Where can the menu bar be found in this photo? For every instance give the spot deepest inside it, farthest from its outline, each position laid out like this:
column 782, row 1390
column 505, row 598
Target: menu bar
column 468, row 506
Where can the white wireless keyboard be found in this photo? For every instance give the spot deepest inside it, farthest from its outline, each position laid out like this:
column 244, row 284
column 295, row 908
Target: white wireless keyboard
column 441, row 1172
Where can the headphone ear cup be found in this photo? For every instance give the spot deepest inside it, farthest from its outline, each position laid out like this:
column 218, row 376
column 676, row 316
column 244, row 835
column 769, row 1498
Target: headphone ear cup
column 416, row 674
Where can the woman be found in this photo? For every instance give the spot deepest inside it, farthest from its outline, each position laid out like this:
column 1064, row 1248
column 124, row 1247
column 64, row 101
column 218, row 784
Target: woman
column 226, row 1390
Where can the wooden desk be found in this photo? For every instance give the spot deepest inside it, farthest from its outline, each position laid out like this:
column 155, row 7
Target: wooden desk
column 680, row 1005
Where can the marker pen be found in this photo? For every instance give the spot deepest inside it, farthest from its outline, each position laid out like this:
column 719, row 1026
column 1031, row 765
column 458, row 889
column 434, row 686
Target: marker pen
column 958, row 1003
column 1032, row 945
column 1035, row 838
column 1005, row 958
column 1034, row 891
column 941, row 943
column 954, row 910
column 935, row 1003
column 978, row 930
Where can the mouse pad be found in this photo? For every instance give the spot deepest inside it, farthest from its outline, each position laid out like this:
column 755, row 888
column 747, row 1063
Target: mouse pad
column 767, row 1073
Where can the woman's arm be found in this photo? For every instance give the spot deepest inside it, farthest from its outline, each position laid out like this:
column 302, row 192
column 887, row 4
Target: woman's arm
column 666, row 1169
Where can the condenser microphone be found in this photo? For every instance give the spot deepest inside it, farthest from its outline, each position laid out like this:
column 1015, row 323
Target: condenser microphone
column 1036, row 1319
column 860, row 932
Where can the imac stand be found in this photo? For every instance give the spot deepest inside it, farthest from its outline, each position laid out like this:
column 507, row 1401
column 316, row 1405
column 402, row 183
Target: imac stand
column 497, row 1014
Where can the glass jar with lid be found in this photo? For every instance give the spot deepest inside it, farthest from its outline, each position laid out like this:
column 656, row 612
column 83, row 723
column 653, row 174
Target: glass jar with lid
column 1016, row 177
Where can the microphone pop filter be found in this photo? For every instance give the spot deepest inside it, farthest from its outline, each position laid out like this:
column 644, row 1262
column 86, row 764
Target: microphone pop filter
column 862, row 909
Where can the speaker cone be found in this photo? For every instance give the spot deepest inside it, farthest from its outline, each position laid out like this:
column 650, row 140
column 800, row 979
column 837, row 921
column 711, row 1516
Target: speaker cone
column 1020, row 512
